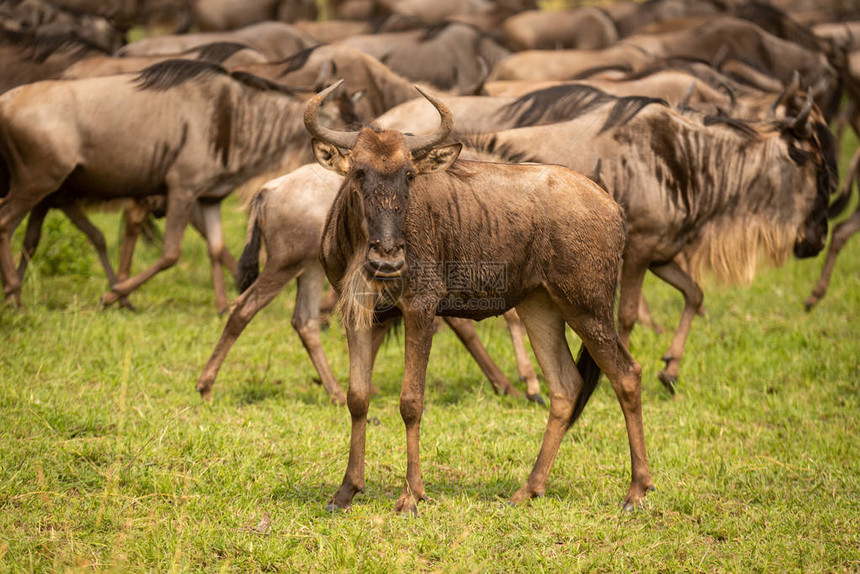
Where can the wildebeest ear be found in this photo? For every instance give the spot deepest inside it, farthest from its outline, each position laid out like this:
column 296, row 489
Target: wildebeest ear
column 330, row 157
column 438, row 159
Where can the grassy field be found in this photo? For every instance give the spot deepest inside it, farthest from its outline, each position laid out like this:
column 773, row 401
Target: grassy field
column 109, row 461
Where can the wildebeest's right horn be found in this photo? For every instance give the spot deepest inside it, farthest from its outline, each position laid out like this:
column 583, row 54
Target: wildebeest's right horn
column 803, row 117
column 446, row 125
column 787, row 93
column 343, row 140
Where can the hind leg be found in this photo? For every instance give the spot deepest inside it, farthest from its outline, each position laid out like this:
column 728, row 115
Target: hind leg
column 524, row 364
column 545, row 328
column 179, row 205
column 465, row 331
column 210, row 216
column 271, row 281
column 14, row 206
column 32, row 236
column 307, row 324
column 596, row 329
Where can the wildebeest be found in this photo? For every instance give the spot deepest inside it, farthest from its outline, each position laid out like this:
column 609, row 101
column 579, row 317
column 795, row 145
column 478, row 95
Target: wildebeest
column 537, row 65
column 43, row 18
column 288, row 214
column 219, row 15
column 448, row 56
column 25, row 58
column 227, row 54
column 716, row 190
column 728, row 37
column 414, row 232
column 318, row 67
column 185, row 129
column 275, row 40
column 587, row 28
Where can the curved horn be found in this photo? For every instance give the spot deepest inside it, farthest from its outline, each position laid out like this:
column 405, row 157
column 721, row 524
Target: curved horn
column 787, row 93
column 803, row 117
column 446, row 125
column 344, row 140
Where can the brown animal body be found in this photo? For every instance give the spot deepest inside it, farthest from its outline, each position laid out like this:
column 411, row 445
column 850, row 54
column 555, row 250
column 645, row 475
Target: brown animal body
column 42, row 18
column 449, row 56
column 275, row 40
column 539, row 65
column 320, row 66
column 221, row 15
column 741, row 40
column 713, row 189
column 288, row 214
column 25, row 59
column 227, row 54
column 187, row 130
column 583, row 29
column 406, row 208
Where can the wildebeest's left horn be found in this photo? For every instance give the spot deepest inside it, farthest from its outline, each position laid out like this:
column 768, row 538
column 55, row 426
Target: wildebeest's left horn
column 446, row 125
column 803, row 117
column 343, row 140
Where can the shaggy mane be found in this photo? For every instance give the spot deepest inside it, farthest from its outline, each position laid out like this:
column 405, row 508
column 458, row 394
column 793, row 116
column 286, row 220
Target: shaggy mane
column 217, row 52
column 170, row 73
column 39, row 48
column 732, row 248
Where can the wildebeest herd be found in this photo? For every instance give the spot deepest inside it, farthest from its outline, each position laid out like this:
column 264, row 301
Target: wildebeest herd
column 544, row 164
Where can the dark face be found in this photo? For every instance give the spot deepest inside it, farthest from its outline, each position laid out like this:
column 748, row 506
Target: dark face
column 819, row 148
column 384, row 196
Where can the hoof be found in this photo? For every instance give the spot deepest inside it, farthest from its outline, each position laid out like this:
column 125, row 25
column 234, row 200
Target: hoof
column 205, row 394
column 124, row 303
column 809, row 304
column 411, row 512
column 108, row 299
column 669, row 381
column 537, row 399
column 335, row 509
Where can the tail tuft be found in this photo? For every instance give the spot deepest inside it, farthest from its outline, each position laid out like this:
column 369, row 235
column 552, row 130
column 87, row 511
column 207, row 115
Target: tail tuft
column 249, row 262
column 590, row 373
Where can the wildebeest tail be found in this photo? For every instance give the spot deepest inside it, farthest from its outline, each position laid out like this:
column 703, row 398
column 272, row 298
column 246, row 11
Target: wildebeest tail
column 841, row 202
column 249, row 262
column 590, row 373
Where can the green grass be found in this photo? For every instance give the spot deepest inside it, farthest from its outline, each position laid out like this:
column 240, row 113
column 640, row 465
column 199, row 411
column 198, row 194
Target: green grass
column 109, row 461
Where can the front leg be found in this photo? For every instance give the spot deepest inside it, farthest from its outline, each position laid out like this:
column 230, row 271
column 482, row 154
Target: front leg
column 419, row 328
column 672, row 274
column 358, row 400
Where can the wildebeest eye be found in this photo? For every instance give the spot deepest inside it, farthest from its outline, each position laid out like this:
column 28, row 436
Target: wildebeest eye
column 358, row 174
column 410, row 177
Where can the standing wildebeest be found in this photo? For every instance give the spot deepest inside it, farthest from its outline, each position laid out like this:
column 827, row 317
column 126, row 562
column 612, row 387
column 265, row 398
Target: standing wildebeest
column 288, row 214
column 717, row 190
column 188, row 130
column 587, row 28
column 275, row 40
column 228, row 54
column 219, row 15
column 45, row 18
column 728, row 37
column 448, row 56
column 414, row 232
column 25, row 59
